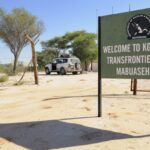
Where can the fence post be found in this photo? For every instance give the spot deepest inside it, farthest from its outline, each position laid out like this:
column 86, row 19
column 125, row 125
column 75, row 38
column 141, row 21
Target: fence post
column 135, row 87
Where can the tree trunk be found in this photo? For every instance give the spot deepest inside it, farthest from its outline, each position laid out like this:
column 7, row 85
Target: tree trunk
column 15, row 64
column 85, row 63
column 91, row 65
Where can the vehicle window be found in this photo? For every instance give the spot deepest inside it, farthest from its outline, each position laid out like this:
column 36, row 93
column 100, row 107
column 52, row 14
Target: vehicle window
column 65, row 60
column 60, row 61
column 75, row 61
column 54, row 61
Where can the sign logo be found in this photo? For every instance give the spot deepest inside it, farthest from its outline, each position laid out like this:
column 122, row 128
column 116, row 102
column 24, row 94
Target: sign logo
column 138, row 27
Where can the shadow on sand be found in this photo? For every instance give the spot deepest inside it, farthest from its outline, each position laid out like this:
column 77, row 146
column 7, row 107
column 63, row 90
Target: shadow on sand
column 119, row 96
column 55, row 74
column 126, row 96
column 56, row 134
column 68, row 97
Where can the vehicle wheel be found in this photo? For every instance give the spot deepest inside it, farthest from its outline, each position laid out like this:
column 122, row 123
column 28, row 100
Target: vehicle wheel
column 58, row 72
column 47, row 71
column 74, row 73
column 62, row 71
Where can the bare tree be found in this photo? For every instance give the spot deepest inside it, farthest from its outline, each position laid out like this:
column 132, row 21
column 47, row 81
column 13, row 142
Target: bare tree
column 14, row 26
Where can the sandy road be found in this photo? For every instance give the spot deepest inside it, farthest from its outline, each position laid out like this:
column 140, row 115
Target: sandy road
column 60, row 113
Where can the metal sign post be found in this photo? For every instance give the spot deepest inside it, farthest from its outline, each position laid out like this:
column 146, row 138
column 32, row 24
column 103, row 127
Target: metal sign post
column 135, row 87
column 99, row 70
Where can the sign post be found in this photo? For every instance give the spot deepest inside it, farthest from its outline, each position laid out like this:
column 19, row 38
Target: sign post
column 124, row 48
column 99, row 70
column 135, row 87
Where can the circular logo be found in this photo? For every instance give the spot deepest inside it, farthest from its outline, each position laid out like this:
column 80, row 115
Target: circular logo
column 139, row 27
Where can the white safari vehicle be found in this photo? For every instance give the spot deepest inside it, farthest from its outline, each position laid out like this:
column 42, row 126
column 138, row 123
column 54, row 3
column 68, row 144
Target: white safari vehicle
column 64, row 65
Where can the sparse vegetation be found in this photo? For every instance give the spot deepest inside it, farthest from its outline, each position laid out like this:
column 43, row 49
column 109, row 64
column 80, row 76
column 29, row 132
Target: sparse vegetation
column 8, row 69
column 79, row 43
column 3, row 78
column 126, row 92
column 44, row 57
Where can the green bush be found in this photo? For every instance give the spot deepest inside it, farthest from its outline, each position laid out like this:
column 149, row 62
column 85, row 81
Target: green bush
column 6, row 68
column 3, row 78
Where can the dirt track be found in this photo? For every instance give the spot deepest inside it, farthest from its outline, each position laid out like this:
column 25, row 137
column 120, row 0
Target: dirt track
column 60, row 113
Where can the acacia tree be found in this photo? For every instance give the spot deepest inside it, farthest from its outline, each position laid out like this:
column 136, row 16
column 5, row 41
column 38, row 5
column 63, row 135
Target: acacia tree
column 56, row 44
column 79, row 43
column 14, row 26
column 61, row 43
column 84, row 47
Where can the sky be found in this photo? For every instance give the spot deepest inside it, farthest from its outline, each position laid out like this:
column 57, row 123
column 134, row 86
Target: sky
column 61, row 16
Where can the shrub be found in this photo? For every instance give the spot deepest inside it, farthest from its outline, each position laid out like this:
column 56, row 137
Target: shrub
column 3, row 78
column 8, row 69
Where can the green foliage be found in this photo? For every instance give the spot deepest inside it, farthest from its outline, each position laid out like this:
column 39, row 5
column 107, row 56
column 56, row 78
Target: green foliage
column 8, row 69
column 3, row 78
column 14, row 26
column 84, row 47
column 44, row 57
column 80, row 43
column 61, row 43
column 55, row 45
column 71, row 36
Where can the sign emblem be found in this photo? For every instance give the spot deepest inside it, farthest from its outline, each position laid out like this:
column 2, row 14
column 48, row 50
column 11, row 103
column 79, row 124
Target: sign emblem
column 138, row 27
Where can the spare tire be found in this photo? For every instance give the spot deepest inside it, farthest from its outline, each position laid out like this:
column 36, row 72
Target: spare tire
column 77, row 65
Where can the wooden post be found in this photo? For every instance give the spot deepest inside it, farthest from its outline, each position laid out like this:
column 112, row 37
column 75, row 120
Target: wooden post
column 33, row 58
column 135, row 87
column 131, row 88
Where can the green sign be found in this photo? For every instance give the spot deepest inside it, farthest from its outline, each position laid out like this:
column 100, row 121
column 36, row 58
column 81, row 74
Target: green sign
column 125, row 45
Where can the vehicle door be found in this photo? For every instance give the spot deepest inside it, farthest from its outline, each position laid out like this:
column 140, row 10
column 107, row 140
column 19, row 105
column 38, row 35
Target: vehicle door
column 54, row 64
column 59, row 63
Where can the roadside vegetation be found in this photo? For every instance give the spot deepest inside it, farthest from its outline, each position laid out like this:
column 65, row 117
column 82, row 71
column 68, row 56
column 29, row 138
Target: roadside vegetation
column 16, row 24
column 79, row 43
column 3, row 78
column 8, row 69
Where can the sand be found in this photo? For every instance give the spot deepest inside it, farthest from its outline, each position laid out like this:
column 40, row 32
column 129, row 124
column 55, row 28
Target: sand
column 61, row 113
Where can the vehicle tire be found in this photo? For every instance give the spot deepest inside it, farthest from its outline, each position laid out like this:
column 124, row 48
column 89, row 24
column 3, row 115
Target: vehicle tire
column 47, row 71
column 58, row 72
column 74, row 73
column 62, row 71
